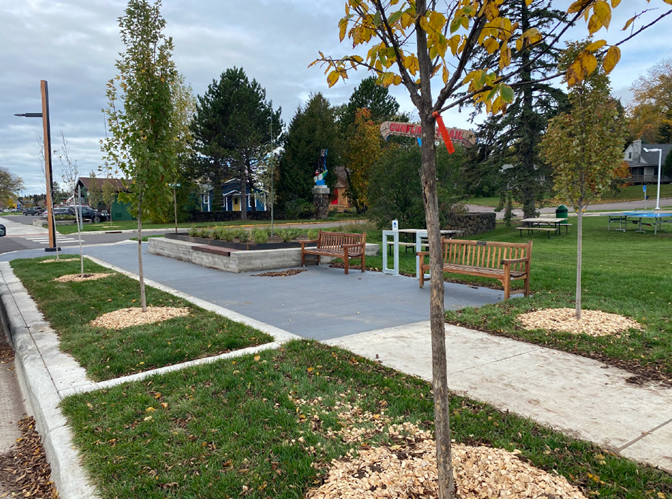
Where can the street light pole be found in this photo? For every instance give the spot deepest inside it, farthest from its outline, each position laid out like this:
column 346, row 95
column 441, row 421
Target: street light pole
column 44, row 87
column 660, row 168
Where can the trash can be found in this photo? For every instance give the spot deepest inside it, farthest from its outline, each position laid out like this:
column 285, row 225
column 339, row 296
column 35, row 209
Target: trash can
column 561, row 212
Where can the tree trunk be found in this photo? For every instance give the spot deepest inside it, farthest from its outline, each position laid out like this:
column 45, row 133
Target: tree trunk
column 436, row 304
column 527, row 154
column 243, row 194
column 141, row 275
column 579, row 249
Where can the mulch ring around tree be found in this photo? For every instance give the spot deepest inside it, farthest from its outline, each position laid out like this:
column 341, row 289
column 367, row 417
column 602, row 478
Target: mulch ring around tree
column 593, row 322
column 79, row 278
column 408, row 469
column 127, row 317
column 24, row 470
column 282, row 273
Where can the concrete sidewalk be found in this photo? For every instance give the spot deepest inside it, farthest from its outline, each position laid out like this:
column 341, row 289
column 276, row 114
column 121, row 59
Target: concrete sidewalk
column 576, row 395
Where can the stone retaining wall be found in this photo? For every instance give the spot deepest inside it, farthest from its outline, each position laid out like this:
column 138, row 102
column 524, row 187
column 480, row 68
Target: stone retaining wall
column 472, row 223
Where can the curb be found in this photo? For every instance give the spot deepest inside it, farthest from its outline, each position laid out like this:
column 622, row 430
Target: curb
column 22, row 320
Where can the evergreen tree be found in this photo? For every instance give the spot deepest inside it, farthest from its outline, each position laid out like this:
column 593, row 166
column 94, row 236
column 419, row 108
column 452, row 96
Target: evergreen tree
column 232, row 132
column 513, row 138
column 374, row 97
column 313, row 129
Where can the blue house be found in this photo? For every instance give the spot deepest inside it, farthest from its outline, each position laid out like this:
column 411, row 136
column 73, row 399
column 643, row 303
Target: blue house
column 231, row 197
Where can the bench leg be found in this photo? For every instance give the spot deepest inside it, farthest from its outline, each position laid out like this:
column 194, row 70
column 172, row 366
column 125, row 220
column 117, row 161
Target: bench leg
column 527, row 285
column 303, row 259
column 318, row 260
column 507, row 289
column 363, row 262
column 346, row 260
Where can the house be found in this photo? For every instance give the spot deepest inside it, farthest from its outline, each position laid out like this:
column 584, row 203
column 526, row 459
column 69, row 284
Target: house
column 231, row 197
column 644, row 164
column 340, row 201
column 118, row 210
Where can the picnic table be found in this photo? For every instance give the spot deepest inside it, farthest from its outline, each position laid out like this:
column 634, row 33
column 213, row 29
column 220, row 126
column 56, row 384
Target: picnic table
column 648, row 218
column 419, row 238
column 544, row 224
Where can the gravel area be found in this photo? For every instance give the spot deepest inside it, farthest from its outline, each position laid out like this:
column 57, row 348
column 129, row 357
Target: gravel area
column 24, row 470
column 127, row 317
column 409, row 470
column 79, row 278
column 593, row 322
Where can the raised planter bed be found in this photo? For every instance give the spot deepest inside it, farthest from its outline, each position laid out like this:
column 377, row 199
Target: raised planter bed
column 249, row 246
column 224, row 257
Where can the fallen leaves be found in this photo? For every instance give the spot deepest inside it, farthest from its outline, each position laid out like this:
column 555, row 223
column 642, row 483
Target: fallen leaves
column 282, row 273
column 593, row 322
column 127, row 317
column 24, row 470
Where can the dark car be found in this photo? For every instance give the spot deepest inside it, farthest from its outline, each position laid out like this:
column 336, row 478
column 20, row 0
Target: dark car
column 89, row 213
column 33, row 211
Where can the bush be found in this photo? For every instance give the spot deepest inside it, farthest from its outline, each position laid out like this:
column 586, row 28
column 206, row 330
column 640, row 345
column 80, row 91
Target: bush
column 65, row 217
column 260, row 236
column 299, row 208
column 313, row 233
column 285, row 234
column 243, row 235
column 194, row 231
column 228, row 234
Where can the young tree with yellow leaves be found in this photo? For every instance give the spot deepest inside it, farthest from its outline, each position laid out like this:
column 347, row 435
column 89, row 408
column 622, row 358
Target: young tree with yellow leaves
column 585, row 148
column 410, row 42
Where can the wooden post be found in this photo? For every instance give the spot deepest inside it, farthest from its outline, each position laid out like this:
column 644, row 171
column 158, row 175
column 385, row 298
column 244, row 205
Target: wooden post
column 47, row 164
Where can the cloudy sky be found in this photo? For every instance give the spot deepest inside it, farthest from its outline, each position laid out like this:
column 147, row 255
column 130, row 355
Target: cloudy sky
column 73, row 45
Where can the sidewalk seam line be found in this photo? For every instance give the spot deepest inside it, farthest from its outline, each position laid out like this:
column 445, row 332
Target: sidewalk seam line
column 643, row 435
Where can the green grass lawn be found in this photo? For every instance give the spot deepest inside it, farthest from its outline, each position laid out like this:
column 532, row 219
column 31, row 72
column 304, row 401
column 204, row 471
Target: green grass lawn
column 133, row 225
column 625, row 273
column 269, row 425
column 107, row 353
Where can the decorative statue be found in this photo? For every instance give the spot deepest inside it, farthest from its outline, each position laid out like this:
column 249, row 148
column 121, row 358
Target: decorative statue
column 321, row 171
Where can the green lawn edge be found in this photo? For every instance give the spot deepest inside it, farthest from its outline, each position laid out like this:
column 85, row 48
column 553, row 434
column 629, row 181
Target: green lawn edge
column 106, row 353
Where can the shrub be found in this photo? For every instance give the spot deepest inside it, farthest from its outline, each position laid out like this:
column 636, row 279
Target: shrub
column 243, row 235
column 65, row 217
column 313, row 233
column 260, row 236
column 299, row 208
column 194, row 231
column 228, row 234
column 285, row 234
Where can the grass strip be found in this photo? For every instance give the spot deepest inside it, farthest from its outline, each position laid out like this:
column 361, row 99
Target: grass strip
column 108, row 353
column 269, row 425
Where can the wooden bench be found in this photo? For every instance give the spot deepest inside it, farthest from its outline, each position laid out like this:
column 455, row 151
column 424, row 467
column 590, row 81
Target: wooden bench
column 505, row 262
column 336, row 245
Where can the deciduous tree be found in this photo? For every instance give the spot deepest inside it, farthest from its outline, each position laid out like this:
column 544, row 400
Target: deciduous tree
column 585, row 148
column 650, row 112
column 363, row 148
column 411, row 41
column 144, row 141
column 10, row 186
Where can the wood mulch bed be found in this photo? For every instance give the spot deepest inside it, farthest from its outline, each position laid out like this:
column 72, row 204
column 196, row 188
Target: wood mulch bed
column 53, row 260
column 593, row 322
column 79, row 278
column 127, row 317
column 282, row 273
column 24, row 470
column 408, row 469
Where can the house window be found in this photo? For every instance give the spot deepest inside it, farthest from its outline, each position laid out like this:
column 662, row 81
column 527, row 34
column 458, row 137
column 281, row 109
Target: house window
column 629, row 155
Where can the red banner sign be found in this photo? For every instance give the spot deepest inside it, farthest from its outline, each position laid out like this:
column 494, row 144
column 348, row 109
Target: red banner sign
column 466, row 137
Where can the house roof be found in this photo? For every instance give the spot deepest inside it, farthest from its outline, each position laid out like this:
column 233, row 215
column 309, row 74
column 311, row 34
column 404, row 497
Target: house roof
column 120, row 184
column 651, row 158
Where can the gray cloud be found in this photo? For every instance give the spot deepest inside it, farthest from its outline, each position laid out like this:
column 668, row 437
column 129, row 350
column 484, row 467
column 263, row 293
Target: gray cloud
column 74, row 43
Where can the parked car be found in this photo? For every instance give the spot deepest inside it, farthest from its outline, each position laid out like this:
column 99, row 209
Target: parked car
column 89, row 213
column 33, row 211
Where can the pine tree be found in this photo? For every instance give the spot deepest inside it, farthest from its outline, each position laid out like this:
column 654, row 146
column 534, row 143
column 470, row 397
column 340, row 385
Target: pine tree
column 313, row 129
column 232, row 132
column 513, row 138
column 374, row 97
